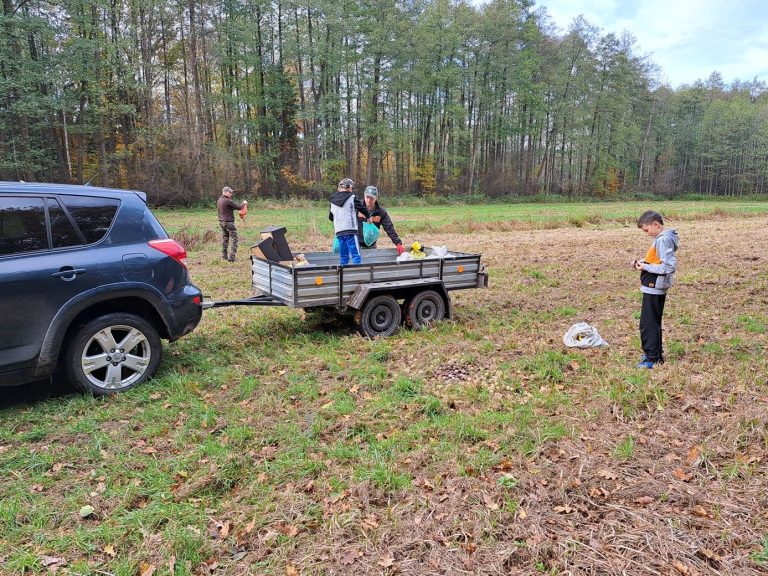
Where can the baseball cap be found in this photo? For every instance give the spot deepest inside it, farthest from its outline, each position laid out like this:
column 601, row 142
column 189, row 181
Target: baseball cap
column 347, row 183
column 371, row 191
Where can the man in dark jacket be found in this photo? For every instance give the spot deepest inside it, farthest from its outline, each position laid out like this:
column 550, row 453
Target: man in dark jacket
column 226, row 209
column 378, row 217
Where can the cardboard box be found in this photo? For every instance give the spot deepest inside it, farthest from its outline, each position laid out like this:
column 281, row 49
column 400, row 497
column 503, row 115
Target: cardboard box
column 280, row 243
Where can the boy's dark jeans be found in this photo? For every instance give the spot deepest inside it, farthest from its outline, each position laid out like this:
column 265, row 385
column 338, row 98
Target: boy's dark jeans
column 650, row 326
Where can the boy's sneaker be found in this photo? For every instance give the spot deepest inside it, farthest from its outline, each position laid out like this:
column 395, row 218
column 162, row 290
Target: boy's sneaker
column 645, row 363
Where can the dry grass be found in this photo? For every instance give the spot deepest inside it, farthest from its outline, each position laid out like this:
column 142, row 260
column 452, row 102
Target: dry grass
column 482, row 446
column 690, row 497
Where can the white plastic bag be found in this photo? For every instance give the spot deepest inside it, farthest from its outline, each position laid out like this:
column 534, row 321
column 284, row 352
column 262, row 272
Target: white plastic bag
column 440, row 251
column 582, row 335
column 404, row 256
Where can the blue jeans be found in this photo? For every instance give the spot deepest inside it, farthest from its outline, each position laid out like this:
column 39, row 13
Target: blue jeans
column 348, row 248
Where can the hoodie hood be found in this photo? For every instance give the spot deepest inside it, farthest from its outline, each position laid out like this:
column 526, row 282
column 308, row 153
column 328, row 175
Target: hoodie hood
column 339, row 198
column 671, row 235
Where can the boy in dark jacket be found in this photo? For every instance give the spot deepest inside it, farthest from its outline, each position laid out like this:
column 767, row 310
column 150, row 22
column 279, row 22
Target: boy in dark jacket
column 343, row 214
column 378, row 217
column 657, row 271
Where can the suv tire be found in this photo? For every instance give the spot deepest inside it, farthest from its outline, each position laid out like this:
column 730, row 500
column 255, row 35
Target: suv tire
column 113, row 353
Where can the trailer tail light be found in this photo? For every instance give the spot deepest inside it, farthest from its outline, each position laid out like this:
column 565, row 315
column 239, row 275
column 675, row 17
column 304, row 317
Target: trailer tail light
column 170, row 247
column 197, row 300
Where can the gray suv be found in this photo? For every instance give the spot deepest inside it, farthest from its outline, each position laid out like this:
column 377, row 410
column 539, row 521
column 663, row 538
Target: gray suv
column 89, row 284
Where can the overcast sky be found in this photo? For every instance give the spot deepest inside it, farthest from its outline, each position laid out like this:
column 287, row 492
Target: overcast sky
column 688, row 39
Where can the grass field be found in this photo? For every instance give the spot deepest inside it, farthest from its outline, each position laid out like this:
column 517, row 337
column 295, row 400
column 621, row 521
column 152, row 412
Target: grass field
column 269, row 444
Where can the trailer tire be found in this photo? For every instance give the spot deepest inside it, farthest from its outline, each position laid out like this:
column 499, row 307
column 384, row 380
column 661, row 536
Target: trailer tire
column 380, row 317
column 424, row 309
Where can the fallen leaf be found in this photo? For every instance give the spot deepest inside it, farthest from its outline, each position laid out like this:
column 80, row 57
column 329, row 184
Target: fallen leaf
column 489, row 502
column 599, row 492
column 387, row 560
column 563, row 509
column 681, row 568
column 146, row 569
column 680, row 474
column 350, row 557
column 700, row 511
column 693, row 455
column 608, row 474
column 219, row 530
column 370, row 522
column 109, row 550
column 52, row 560
column 644, row 500
column 289, row 530
column 521, row 514
column 291, row 570
column 505, row 465
column 155, row 396
column 249, row 527
column 710, row 555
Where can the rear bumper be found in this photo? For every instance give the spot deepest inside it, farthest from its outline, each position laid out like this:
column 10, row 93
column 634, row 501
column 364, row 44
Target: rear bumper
column 186, row 312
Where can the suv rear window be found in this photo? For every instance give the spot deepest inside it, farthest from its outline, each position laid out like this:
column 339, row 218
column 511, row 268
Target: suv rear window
column 22, row 225
column 63, row 233
column 92, row 215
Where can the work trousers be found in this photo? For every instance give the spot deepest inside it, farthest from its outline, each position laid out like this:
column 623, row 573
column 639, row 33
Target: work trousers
column 228, row 233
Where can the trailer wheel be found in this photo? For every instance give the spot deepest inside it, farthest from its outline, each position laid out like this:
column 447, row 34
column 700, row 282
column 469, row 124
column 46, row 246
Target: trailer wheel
column 424, row 309
column 379, row 317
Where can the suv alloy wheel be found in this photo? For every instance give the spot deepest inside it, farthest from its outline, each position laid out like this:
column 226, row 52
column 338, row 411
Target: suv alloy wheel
column 113, row 353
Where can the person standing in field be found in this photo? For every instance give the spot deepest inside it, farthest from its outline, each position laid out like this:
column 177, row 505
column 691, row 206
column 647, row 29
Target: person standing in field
column 226, row 208
column 657, row 271
column 379, row 218
column 343, row 214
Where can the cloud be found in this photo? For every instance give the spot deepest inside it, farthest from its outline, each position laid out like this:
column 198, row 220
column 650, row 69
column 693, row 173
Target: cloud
column 688, row 39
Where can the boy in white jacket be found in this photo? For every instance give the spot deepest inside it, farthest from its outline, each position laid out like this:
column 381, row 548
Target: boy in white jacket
column 343, row 214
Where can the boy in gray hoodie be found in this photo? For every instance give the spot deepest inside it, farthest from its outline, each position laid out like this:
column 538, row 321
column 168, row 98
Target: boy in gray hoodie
column 343, row 214
column 657, row 271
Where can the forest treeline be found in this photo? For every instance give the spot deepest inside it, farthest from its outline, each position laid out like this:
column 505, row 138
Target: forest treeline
column 278, row 98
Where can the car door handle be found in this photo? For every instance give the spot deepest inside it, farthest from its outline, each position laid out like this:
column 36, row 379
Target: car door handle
column 69, row 273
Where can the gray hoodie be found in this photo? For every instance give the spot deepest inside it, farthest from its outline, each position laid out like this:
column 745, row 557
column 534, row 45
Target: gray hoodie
column 343, row 213
column 660, row 263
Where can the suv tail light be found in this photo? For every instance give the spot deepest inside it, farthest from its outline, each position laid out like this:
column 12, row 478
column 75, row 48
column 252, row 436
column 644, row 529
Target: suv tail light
column 172, row 248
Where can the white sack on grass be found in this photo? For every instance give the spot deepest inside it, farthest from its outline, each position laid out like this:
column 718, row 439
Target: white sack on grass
column 582, row 335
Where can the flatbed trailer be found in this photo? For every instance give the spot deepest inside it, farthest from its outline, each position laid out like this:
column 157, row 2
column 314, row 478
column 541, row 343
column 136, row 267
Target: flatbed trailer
column 381, row 292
